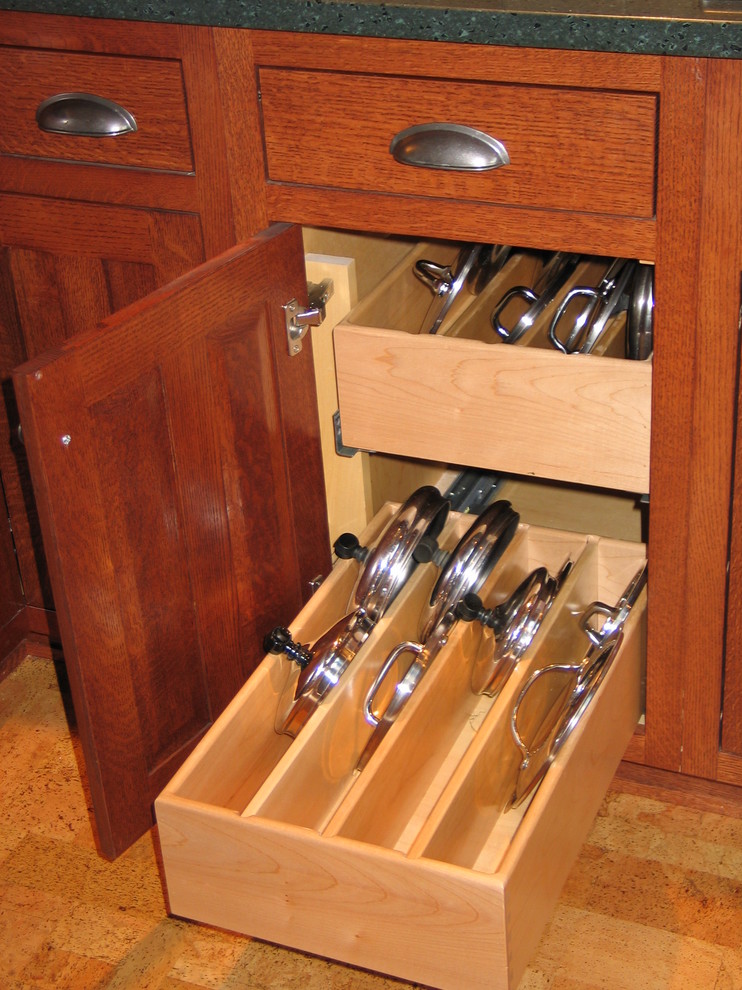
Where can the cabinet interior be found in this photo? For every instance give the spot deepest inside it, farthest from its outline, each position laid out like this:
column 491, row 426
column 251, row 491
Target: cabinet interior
column 380, row 477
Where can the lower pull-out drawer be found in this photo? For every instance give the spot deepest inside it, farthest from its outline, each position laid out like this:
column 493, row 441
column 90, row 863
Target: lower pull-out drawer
column 417, row 865
column 463, row 396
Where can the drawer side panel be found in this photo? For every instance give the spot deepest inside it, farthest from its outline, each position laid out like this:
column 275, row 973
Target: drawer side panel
column 562, row 811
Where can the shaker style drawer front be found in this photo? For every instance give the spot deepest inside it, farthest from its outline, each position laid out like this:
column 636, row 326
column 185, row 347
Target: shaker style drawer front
column 569, row 149
column 418, row 864
column 70, row 105
column 463, row 396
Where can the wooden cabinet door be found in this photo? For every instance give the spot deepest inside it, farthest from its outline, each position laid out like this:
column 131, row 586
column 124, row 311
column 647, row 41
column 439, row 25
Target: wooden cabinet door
column 66, row 265
column 175, row 457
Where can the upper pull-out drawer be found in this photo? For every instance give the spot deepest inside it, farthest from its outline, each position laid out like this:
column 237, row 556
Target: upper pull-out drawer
column 463, row 396
column 569, row 148
column 150, row 91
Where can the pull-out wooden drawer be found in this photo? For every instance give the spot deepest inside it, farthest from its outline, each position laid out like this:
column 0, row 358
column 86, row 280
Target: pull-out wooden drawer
column 150, row 90
column 464, row 397
column 568, row 148
column 410, row 866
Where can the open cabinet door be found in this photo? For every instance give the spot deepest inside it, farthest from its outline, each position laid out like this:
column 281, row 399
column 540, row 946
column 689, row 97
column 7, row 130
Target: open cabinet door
column 175, row 457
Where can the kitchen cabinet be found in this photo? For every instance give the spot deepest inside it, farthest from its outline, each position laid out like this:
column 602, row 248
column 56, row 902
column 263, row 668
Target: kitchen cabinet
column 90, row 224
column 642, row 196
column 693, row 367
column 69, row 261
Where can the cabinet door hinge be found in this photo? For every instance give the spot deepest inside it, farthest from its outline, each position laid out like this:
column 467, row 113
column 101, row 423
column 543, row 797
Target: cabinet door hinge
column 299, row 320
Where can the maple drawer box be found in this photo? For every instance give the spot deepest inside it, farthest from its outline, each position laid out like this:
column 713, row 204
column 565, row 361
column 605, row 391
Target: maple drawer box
column 463, row 396
column 148, row 90
column 410, row 866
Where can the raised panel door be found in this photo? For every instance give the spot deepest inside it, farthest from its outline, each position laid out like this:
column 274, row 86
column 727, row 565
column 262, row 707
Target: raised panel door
column 175, row 457
column 65, row 266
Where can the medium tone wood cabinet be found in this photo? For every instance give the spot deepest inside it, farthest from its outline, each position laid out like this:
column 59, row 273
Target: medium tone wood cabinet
column 178, row 419
column 68, row 261
column 646, row 197
column 90, row 224
column 689, row 233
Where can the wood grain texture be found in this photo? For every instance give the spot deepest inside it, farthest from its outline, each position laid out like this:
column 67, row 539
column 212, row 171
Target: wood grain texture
column 455, row 219
column 514, row 222
column 492, row 406
column 714, row 414
column 546, row 133
column 695, row 371
column 151, row 90
column 70, row 260
column 727, row 124
column 651, row 901
column 209, row 139
column 67, row 266
column 602, row 70
column 178, row 426
column 357, row 887
column 177, row 159
column 244, row 146
column 671, row 541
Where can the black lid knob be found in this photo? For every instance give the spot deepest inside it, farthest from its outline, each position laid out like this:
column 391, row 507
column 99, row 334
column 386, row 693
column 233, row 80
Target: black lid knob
column 428, row 549
column 347, row 546
column 469, row 608
column 279, row 640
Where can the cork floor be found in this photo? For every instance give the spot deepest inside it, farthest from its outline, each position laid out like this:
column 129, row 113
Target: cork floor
column 653, row 903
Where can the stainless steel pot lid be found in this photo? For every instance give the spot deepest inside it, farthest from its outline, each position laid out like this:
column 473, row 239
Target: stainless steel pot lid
column 555, row 697
column 563, row 692
column 388, row 566
column 422, row 655
column 466, row 569
column 474, row 266
column 468, row 565
column 490, row 262
column 588, row 310
column 515, row 623
column 522, row 305
column 640, row 318
column 325, row 664
column 385, row 569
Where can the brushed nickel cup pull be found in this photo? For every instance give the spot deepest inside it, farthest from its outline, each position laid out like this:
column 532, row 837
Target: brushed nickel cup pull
column 455, row 147
column 84, row 115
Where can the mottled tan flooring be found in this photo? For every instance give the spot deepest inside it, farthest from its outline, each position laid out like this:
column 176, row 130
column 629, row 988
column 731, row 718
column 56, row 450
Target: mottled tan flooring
column 654, row 902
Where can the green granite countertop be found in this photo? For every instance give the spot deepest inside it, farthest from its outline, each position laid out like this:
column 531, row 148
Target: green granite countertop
column 664, row 27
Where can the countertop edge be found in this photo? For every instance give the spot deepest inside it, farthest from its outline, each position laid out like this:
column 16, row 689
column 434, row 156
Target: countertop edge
column 704, row 36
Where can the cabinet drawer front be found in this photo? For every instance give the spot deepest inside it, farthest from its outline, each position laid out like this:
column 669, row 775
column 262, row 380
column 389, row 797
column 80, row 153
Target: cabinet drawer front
column 150, row 90
column 253, row 838
column 570, row 149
